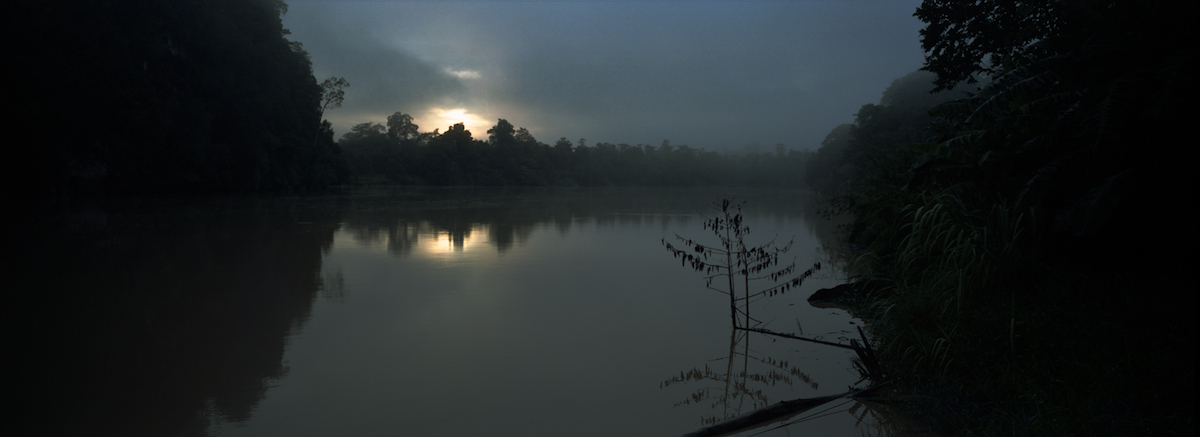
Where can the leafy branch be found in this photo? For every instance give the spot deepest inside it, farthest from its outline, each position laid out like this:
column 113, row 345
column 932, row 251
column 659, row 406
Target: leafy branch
column 732, row 261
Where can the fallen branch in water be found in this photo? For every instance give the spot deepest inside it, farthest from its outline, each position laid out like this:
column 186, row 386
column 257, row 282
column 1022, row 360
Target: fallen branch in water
column 764, row 415
column 780, row 334
column 867, row 365
column 775, row 413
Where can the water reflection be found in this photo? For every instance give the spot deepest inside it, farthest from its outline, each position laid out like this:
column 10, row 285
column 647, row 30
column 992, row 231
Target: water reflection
column 766, row 395
column 437, row 232
column 743, row 385
column 157, row 318
column 438, row 221
column 449, row 243
column 166, row 317
column 431, row 239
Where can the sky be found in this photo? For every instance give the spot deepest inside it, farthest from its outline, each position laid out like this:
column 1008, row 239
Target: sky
column 718, row 75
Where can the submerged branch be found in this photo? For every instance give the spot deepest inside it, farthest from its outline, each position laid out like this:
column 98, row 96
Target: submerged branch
column 780, row 411
column 765, row 415
column 780, row 334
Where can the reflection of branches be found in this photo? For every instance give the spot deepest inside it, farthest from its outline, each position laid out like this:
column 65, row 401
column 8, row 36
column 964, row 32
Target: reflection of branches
column 740, row 385
column 881, row 422
column 882, row 419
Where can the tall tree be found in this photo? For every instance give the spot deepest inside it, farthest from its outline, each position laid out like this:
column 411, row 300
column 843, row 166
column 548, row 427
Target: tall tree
column 502, row 133
column 1053, row 130
column 963, row 39
column 400, row 127
column 333, row 93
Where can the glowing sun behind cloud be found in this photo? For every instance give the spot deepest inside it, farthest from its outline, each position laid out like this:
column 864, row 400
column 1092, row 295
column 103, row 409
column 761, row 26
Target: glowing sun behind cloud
column 441, row 118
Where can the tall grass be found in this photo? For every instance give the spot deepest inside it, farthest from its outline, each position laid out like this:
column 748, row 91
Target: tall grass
column 950, row 247
column 1011, row 338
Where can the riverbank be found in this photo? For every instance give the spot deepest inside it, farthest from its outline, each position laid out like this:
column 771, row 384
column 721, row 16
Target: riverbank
column 1072, row 355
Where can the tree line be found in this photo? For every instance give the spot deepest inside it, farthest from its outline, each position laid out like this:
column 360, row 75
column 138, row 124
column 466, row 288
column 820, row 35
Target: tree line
column 877, row 144
column 399, row 154
column 190, row 96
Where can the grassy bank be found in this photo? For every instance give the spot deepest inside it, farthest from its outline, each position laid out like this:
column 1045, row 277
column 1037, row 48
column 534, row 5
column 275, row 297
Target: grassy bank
column 995, row 328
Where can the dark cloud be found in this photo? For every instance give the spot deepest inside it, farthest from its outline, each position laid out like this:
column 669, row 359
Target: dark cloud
column 383, row 78
column 700, row 73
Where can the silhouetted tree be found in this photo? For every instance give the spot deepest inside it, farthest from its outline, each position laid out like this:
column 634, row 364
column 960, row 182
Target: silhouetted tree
column 732, row 260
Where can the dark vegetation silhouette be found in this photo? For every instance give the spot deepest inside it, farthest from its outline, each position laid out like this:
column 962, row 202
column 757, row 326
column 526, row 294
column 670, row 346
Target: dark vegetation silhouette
column 399, row 154
column 168, row 96
column 191, row 96
column 173, row 316
column 877, row 144
column 1028, row 231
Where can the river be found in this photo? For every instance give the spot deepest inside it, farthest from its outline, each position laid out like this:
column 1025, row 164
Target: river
column 416, row 311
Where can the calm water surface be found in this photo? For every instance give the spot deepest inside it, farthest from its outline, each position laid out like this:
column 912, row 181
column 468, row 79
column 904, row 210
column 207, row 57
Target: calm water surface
column 430, row 312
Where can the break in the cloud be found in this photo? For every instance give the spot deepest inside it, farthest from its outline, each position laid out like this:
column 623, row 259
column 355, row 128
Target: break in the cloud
column 464, row 74
column 707, row 74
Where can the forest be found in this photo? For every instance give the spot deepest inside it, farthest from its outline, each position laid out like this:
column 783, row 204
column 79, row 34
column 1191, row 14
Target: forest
column 168, row 97
column 1023, row 233
column 397, row 154
column 197, row 96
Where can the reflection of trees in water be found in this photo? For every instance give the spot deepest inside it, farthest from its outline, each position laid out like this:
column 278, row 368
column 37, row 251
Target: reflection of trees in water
column 402, row 235
column 405, row 217
column 160, row 317
column 837, row 257
column 332, row 285
column 742, row 383
column 170, row 316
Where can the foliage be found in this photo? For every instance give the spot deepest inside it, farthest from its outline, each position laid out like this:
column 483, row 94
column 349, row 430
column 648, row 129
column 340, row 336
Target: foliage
column 1018, row 238
column 333, row 93
column 963, row 39
column 876, row 145
column 732, row 259
column 180, row 95
column 1053, row 133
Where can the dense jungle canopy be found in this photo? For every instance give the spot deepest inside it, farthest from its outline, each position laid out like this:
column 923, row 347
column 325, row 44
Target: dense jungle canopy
column 167, row 96
column 1030, row 228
